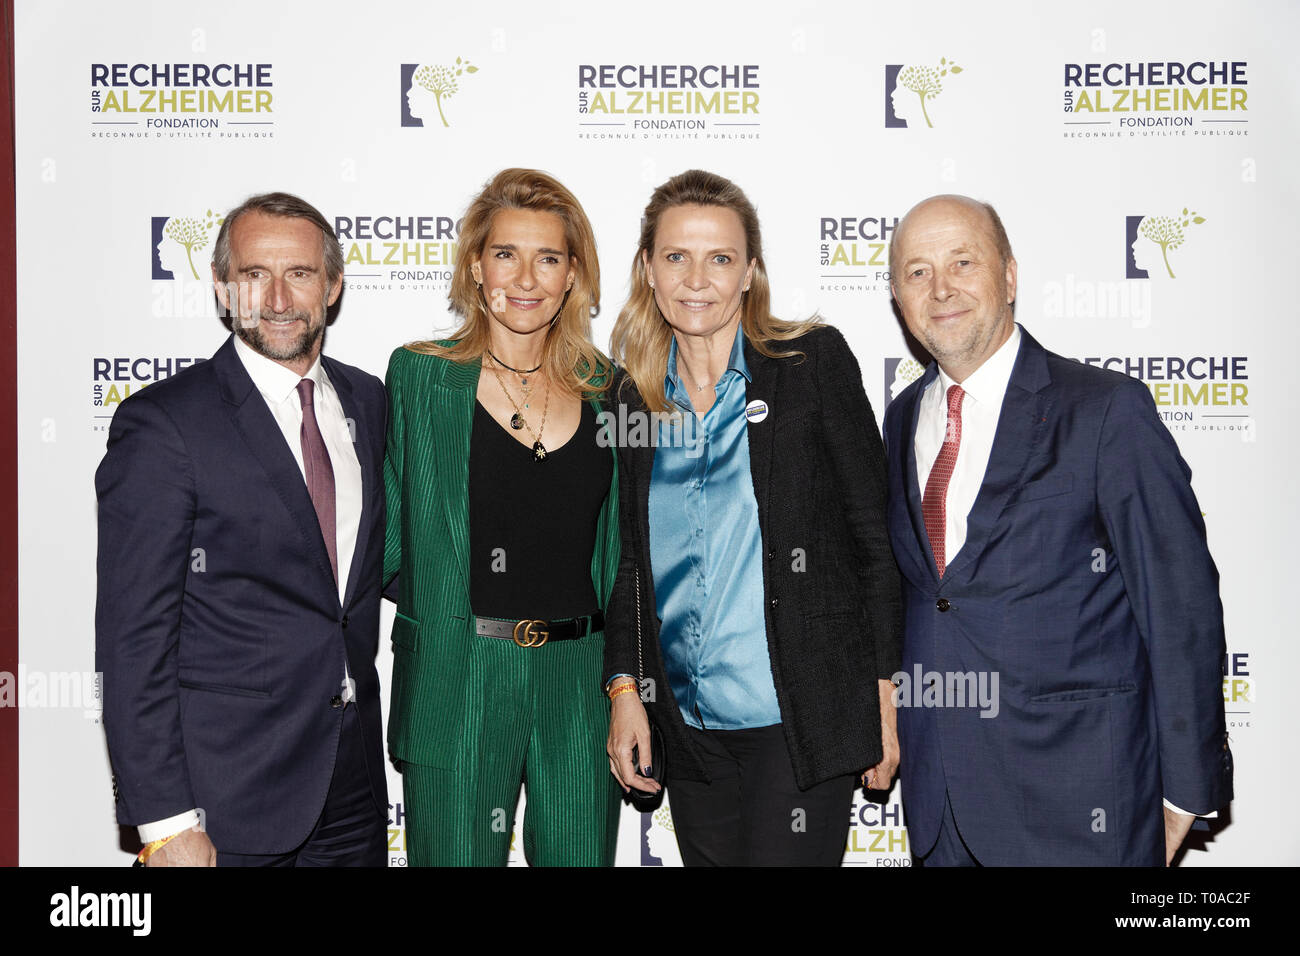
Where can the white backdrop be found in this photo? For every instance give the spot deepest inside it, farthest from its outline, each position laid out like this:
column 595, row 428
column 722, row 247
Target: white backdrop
column 119, row 187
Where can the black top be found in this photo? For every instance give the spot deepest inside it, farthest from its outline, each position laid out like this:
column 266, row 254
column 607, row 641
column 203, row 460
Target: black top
column 532, row 524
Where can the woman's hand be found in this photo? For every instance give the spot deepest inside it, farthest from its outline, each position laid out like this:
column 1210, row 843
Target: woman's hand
column 881, row 776
column 629, row 727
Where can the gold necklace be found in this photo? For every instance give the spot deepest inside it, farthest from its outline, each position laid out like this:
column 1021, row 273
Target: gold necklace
column 518, row 421
column 522, row 374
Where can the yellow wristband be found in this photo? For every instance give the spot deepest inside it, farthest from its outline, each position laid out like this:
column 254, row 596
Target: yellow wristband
column 153, row 846
column 621, row 689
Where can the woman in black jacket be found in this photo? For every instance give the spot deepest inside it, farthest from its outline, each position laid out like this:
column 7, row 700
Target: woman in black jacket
column 757, row 600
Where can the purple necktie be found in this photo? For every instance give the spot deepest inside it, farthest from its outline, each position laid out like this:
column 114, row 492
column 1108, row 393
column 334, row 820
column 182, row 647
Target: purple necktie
column 320, row 473
column 934, row 506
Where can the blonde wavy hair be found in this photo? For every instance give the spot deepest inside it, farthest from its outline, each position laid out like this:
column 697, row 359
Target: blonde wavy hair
column 569, row 358
column 641, row 338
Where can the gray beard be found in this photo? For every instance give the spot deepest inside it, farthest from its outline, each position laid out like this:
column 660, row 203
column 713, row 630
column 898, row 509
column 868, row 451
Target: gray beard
column 299, row 348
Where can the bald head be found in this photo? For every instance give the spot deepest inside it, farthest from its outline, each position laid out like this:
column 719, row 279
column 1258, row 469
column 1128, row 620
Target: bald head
column 954, row 278
column 953, row 203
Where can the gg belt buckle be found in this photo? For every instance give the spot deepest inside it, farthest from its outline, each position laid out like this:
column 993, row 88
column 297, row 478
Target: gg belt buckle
column 534, row 634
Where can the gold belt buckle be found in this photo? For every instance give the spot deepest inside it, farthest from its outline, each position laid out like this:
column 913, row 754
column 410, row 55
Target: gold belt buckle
column 534, row 634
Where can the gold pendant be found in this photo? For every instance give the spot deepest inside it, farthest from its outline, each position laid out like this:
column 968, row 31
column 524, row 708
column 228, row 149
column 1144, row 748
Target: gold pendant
column 516, row 421
column 539, row 451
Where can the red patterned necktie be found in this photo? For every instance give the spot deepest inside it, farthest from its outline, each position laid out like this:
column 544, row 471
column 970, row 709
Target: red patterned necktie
column 320, row 473
column 934, row 505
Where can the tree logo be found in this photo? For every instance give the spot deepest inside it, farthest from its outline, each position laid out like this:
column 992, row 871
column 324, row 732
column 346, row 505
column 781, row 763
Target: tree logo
column 900, row 373
column 908, row 86
column 426, row 87
column 1145, row 234
column 175, row 241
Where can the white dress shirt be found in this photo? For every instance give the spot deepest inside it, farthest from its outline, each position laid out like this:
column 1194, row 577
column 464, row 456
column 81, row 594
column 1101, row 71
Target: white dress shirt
column 279, row 388
column 980, row 407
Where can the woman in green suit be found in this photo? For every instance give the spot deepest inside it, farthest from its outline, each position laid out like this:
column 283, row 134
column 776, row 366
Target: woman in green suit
column 503, row 524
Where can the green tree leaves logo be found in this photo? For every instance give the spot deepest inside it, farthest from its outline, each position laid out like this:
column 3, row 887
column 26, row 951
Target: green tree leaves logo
column 442, row 81
column 1167, row 232
column 926, row 82
column 907, row 372
column 192, row 233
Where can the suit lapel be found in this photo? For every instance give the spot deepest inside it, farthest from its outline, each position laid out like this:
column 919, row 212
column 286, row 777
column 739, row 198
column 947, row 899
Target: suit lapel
column 452, row 436
column 762, row 385
column 354, row 411
column 605, row 557
column 642, row 459
column 1025, row 409
column 639, row 460
column 910, row 418
column 264, row 440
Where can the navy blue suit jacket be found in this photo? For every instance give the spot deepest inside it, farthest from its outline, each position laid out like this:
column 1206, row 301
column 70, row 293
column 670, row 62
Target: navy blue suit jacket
column 218, row 629
column 1086, row 585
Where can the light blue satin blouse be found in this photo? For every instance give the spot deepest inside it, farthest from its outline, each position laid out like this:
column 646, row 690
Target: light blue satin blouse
column 706, row 557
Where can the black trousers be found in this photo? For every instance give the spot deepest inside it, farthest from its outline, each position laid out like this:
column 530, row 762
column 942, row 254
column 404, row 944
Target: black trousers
column 753, row 813
column 351, row 830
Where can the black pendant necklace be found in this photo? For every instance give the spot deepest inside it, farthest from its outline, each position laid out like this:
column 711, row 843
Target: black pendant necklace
column 517, row 371
column 517, row 420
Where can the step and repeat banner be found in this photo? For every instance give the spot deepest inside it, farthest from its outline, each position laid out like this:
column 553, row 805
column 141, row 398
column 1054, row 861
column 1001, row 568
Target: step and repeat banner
column 1141, row 156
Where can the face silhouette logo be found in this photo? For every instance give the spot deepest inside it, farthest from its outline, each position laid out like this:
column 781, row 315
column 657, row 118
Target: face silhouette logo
column 910, row 92
column 1150, row 240
column 900, row 373
column 426, row 88
column 182, row 245
column 659, row 838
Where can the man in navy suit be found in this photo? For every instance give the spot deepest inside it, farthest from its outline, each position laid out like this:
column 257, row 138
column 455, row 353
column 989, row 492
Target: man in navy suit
column 1061, row 694
column 237, row 640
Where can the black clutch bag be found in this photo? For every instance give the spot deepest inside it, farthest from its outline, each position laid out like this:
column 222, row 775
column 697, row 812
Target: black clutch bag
column 644, row 800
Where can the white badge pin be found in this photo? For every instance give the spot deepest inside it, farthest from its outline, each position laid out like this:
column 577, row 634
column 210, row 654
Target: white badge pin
column 756, row 411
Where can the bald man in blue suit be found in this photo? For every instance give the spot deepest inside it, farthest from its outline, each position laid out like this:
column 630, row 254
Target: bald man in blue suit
column 1061, row 692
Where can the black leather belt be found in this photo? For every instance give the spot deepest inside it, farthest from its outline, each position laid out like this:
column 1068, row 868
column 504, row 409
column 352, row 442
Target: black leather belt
column 534, row 633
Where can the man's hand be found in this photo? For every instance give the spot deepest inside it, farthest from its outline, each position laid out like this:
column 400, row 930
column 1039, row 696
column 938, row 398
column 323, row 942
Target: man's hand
column 1176, row 827
column 187, row 848
column 881, row 776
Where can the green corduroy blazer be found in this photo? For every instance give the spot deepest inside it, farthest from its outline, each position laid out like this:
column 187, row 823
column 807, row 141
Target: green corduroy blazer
column 426, row 476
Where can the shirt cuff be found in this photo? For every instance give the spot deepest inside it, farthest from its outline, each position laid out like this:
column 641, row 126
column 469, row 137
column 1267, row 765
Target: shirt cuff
column 1212, row 815
column 169, row 827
